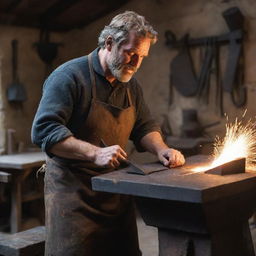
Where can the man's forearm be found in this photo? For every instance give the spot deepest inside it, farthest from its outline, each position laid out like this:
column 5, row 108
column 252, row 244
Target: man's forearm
column 73, row 148
column 153, row 142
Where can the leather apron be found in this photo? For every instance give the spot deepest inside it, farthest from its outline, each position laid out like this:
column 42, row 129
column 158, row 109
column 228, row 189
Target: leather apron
column 80, row 221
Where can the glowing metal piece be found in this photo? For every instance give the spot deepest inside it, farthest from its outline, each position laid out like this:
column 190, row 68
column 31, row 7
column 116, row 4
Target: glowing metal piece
column 232, row 167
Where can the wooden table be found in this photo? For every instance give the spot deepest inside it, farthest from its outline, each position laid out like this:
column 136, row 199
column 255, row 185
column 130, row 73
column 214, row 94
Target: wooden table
column 20, row 166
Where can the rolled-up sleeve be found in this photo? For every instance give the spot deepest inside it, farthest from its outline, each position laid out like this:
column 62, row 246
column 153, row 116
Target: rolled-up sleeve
column 145, row 123
column 54, row 111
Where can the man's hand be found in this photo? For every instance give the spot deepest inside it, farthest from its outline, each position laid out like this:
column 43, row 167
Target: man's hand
column 171, row 157
column 153, row 142
column 72, row 148
column 109, row 156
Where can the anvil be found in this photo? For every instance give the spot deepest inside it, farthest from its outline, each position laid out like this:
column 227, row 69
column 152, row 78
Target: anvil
column 197, row 214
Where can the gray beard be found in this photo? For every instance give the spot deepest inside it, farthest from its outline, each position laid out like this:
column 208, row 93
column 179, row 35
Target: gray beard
column 116, row 70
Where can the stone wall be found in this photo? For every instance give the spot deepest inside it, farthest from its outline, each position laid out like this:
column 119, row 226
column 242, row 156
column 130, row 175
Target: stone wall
column 199, row 18
column 31, row 72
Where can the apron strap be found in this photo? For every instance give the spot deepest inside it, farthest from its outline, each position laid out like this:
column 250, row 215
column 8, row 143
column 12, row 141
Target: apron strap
column 92, row 76
column 129, row 96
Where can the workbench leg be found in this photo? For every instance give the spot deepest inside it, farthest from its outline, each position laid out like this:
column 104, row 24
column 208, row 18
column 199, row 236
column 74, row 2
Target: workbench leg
column 179, row 243
column 233, row 241
column 16, row 206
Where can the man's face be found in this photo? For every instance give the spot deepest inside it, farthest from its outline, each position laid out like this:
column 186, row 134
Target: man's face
column 125, row 60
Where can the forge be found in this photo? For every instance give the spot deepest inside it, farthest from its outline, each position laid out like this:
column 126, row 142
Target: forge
column 196, row 213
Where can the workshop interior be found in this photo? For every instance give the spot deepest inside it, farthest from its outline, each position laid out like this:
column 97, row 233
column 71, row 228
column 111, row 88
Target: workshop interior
column 199, row 83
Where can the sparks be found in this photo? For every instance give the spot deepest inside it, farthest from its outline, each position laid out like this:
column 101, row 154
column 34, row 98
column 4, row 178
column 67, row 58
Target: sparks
column 239, row 141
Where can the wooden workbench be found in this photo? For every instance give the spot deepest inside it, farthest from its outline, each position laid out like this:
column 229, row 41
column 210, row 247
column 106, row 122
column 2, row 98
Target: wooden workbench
column 199, row 214
column 20, row 166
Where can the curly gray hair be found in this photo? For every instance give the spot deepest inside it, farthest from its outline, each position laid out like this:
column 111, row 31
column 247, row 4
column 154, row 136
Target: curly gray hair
column 122, row 24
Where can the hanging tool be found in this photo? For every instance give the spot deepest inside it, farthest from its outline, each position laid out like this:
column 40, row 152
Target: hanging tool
column 183, row 76
column 232, row 64
column 234, row 78
column 205, row 72
column 16, row 91
column 46, row 50
column 239, row 92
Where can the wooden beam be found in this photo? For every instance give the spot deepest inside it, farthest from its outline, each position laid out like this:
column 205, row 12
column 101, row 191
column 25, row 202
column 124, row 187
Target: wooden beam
column 12, row 5
column 56, row 9
column 85, row 14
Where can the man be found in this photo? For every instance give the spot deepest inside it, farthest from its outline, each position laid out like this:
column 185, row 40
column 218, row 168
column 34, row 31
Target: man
column 89, row 109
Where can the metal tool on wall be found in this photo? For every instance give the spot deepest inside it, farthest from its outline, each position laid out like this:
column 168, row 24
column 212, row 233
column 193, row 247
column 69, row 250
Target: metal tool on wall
column 206, row 70
column 16, row 92
column 183, row 74
column 239, row 92
column 218, row 82
column 234, row 76
column 232, row 82
column 46, row 50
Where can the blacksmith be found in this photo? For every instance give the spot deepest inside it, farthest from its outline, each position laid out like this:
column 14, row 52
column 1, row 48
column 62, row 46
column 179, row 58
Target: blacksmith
column 86, row 102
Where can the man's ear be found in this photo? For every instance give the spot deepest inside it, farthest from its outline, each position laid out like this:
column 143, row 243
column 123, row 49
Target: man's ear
column 109, row 43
